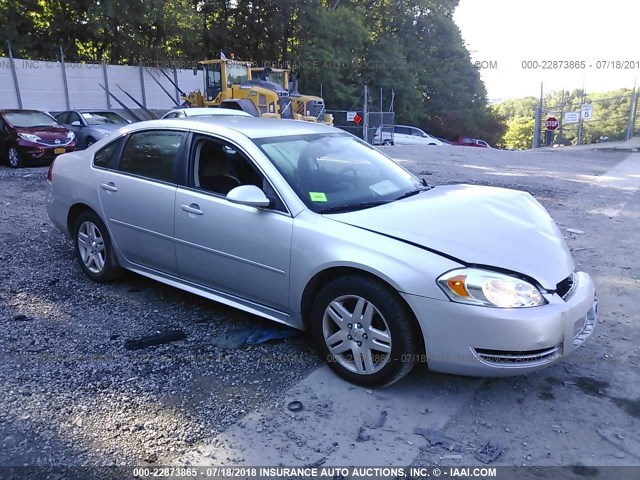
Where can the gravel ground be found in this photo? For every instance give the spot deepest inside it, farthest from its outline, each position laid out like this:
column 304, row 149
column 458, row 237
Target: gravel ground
column 71, row 394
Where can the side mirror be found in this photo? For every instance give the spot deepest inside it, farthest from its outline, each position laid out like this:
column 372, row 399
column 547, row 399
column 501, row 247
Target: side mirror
column 249, row 195
column 76, row 123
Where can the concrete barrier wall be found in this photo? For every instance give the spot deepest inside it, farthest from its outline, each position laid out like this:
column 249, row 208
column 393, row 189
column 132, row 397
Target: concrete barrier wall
column 41, row 85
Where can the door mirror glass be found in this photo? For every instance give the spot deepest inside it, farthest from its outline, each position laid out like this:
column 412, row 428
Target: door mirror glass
column 76, row 123
column 249, row 195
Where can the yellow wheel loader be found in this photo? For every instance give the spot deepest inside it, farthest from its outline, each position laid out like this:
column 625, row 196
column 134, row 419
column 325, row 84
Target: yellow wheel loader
column 305, row 107
column 228, row 83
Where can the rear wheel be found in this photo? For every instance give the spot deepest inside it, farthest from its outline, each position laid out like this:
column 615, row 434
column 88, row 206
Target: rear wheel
column 93, row 248
column 14, row 157
column 364, row 331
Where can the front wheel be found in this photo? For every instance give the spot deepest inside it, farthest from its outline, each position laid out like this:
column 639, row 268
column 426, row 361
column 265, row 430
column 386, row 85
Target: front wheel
column 90, row 141
column 364, row 331
column 93, row 248
column 14, row 157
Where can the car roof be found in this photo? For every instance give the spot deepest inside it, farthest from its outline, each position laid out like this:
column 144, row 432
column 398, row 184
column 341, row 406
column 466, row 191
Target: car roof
column 87, row 110
column 195, row 111
column 251, row 127
column 21, row 110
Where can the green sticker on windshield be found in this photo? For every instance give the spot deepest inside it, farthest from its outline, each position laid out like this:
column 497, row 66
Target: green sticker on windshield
column 318, row 197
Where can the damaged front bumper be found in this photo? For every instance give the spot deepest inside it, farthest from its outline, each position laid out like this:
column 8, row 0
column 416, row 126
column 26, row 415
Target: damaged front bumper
column 481, row 341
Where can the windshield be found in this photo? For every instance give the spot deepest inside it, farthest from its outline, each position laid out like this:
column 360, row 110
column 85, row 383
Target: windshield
column 236, row 74
column 337, row 172
column 100, row 118
column 30, row 119
column 278, row 77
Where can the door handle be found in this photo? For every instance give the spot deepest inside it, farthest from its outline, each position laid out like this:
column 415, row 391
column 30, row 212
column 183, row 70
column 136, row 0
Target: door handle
column 194, row 208
column 109, row 187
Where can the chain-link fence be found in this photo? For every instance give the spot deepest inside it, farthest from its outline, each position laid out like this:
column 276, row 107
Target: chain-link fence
column 378, row 125
column 588, row 119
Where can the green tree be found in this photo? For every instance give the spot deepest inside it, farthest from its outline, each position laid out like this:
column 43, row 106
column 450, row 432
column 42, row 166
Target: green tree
column 330, row 55
column 519, row 133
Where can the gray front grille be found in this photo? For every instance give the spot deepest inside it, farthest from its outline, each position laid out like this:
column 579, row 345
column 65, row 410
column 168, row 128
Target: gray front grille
column 565, row 287
column 506, row 358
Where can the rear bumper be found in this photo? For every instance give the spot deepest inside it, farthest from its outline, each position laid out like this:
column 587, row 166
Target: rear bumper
column 480, row 341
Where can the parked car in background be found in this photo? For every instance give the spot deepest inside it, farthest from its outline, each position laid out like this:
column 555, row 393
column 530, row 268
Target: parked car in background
column 470, row 142
column 203, row 112
column 482, row 143
column 307, row 225
column 30, row 136
column 404, row 135
column 90, row 125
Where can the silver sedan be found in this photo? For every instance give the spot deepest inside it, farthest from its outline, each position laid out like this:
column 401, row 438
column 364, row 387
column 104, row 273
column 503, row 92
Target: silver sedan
column 307, row 225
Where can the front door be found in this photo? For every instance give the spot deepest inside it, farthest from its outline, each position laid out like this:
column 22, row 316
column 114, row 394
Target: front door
column 240, row 250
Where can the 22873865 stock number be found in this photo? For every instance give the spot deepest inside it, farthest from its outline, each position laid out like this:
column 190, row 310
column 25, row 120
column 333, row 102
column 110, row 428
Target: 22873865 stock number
column 580, row 64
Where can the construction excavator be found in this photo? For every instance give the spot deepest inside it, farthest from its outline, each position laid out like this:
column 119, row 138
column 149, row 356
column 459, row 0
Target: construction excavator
column 228, row 83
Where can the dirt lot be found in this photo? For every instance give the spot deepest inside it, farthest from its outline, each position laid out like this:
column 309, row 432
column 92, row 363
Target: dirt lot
column 71, row 394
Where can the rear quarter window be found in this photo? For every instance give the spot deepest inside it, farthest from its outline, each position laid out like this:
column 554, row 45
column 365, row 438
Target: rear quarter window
column 104, row 156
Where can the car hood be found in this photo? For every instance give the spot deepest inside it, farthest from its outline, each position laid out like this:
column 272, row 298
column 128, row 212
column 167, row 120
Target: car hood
column 108, row 127
column 488, row 226
column 45, row 132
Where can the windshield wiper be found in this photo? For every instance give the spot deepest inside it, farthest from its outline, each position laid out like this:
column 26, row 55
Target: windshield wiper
column 353, row 206
column 411, row 193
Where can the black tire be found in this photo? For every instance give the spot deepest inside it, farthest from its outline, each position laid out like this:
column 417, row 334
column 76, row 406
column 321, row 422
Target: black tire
column 394, row 314
column 88, row 142
column 14, row 158
column 86, row 222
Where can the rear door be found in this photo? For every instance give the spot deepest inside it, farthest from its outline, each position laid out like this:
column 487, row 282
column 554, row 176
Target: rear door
column 138, row 196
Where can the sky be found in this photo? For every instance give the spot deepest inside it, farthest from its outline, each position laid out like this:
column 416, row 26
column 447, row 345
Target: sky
column 510, row 32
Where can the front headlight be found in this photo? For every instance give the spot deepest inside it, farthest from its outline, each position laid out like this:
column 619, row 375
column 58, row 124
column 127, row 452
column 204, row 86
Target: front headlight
column 489, row 289
column 105, row 134
column 71, row 135
column 29, row 137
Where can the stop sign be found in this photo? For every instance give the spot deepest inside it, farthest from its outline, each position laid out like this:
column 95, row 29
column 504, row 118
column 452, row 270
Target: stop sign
column 551, row 123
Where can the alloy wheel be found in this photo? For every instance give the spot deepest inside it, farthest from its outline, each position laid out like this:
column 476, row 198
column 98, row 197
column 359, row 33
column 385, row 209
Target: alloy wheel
column 91, row 247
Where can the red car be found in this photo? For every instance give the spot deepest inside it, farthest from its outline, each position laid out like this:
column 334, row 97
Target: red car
column 470, row 142
column 30, row 136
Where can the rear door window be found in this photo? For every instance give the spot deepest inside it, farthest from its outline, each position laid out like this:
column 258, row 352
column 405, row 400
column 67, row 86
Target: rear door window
column 152, row 154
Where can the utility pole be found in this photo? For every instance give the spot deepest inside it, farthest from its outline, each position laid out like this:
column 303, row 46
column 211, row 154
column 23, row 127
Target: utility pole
column 581, row 121
column 631, row 121
column 365, row 114
column 538, row 122
column 560, row 133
